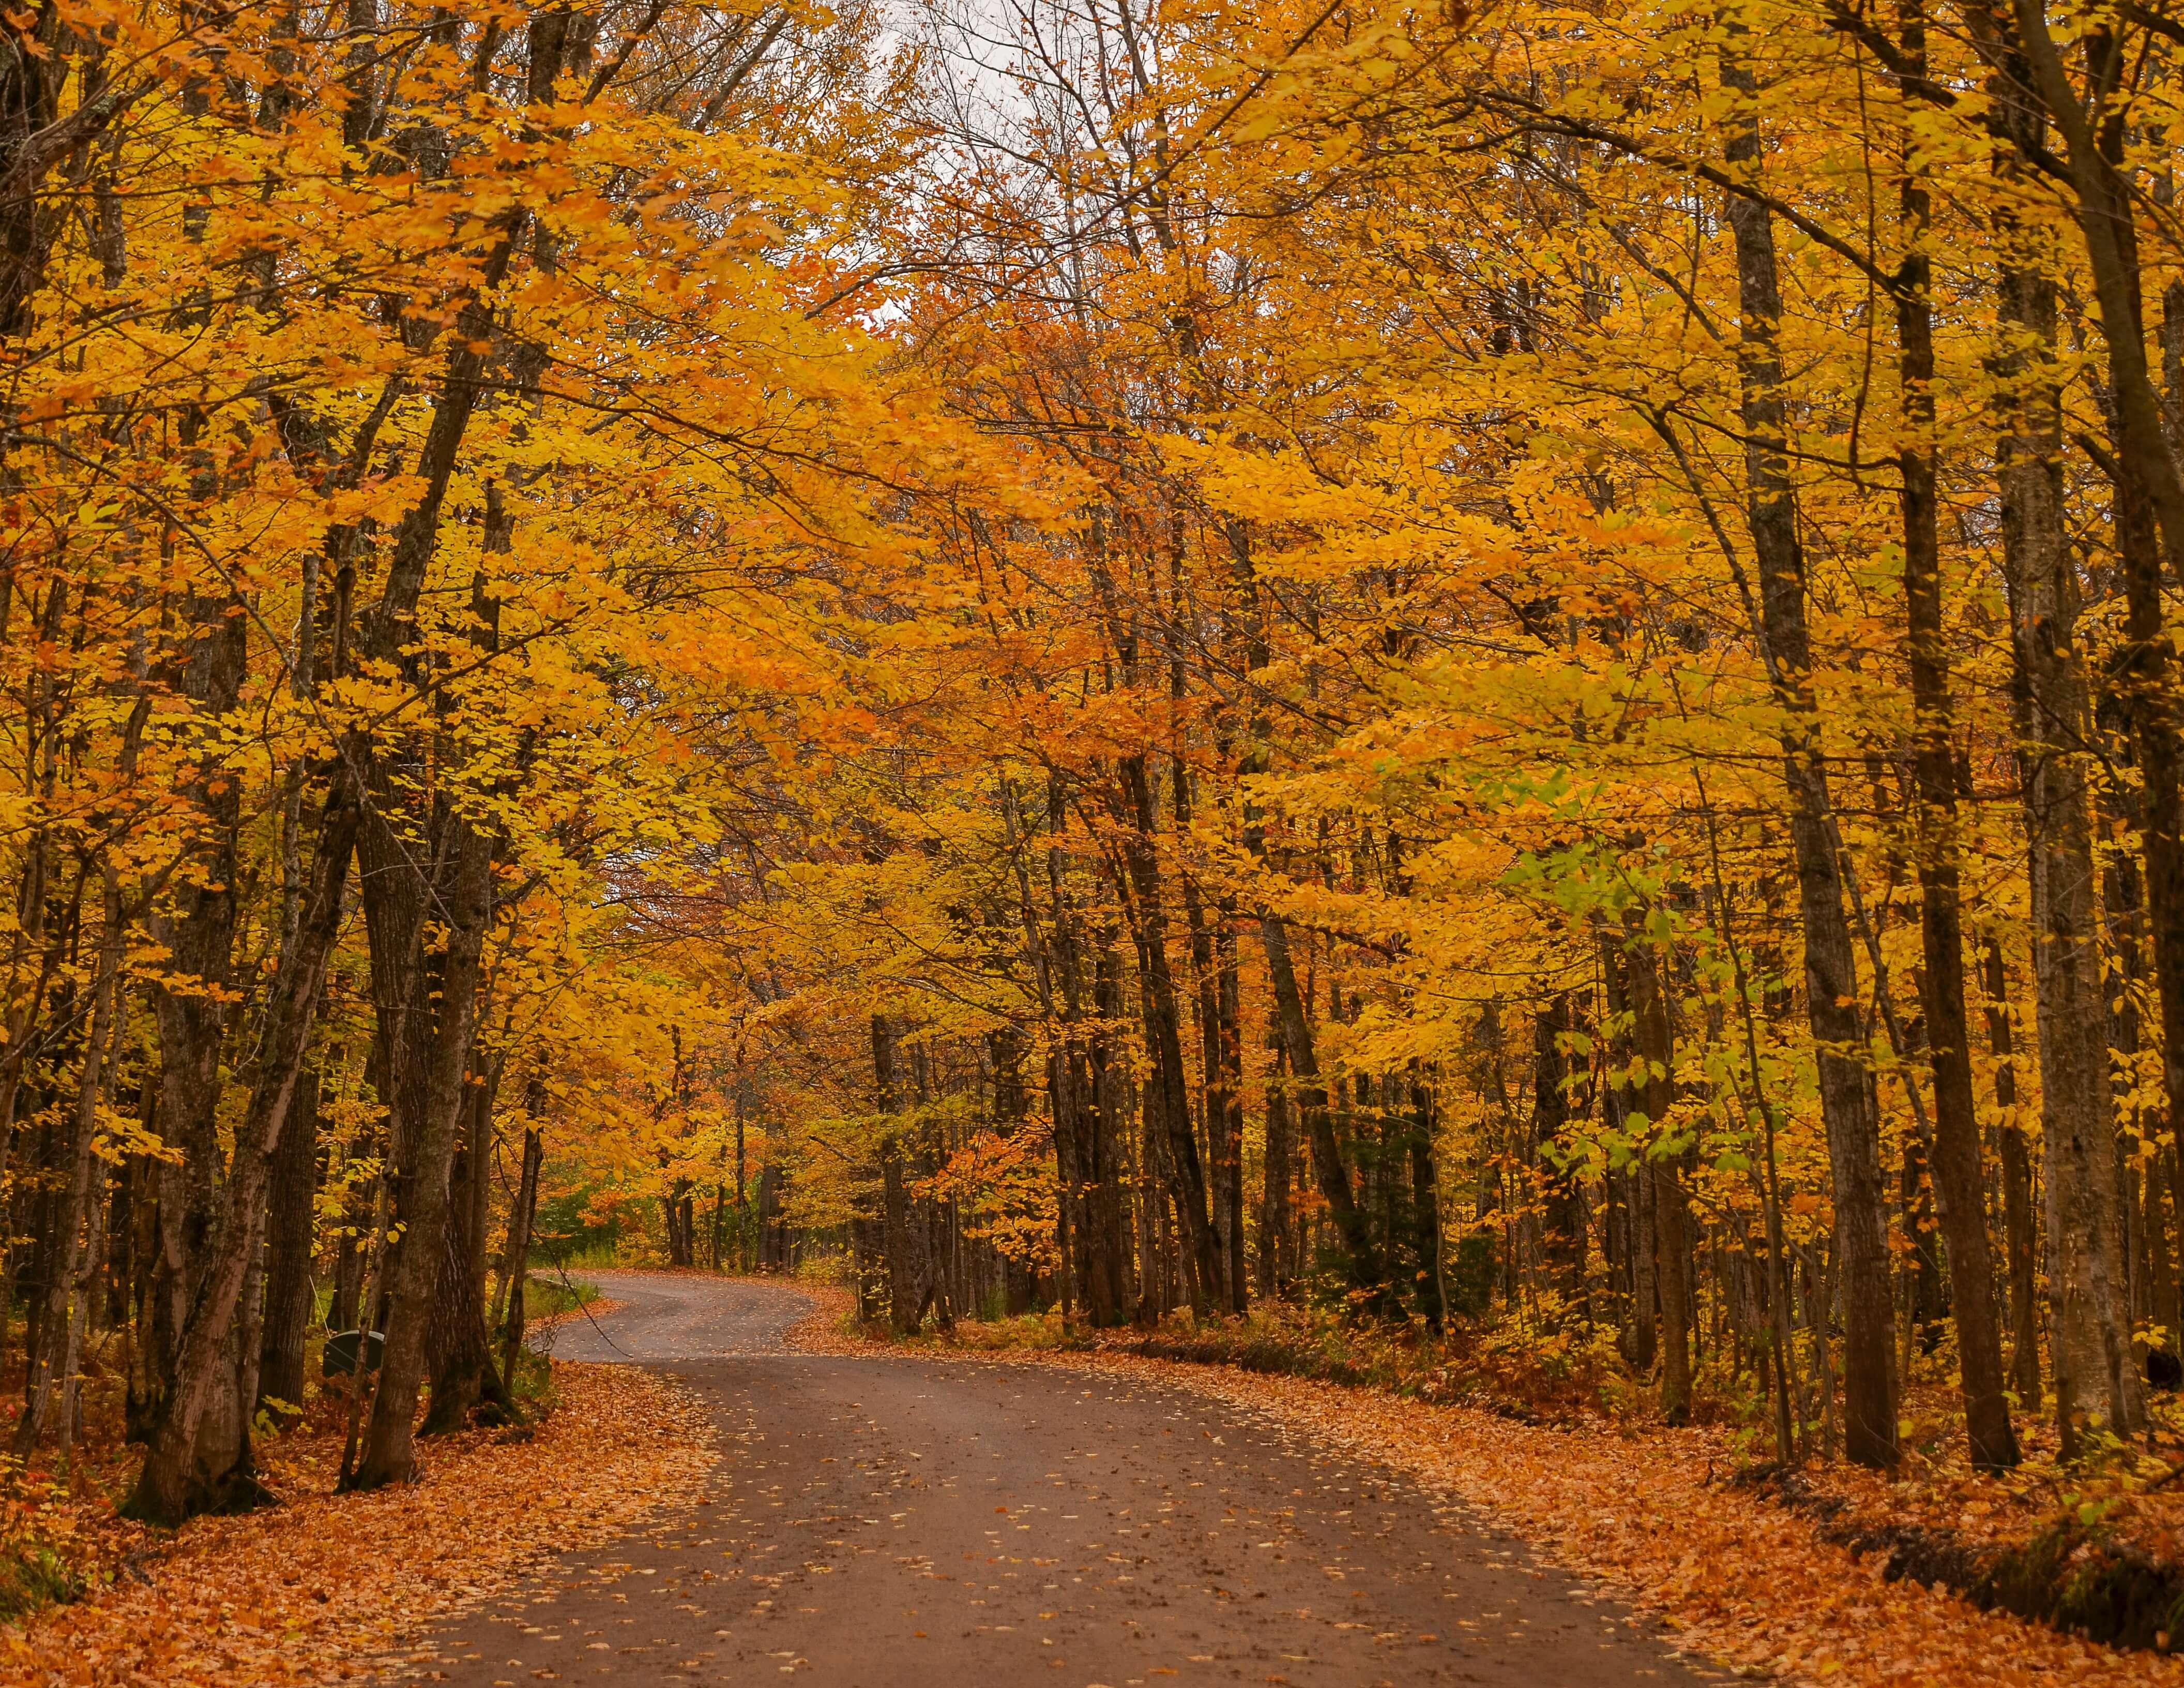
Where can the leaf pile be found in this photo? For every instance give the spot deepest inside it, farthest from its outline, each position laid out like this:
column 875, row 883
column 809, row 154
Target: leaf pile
column 331, row 1585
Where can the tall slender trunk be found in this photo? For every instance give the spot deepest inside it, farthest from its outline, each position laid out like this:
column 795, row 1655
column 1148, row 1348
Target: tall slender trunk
column 905, row 1308
column 1224, row 1105
column 2143, row 675
column 1847, row 1103
column 1563, row 1235
column 1425, row 1208
column 1275, row 1220
column 1332, row 1176
column 1220, row 1103
column 2094, row 1367
column 1640, row 1304
column 1108, row 1209
column 74, row 1237
column 1654, row 1042
column 1167, row 1097
column 1957, row 1177
column 520, row 1219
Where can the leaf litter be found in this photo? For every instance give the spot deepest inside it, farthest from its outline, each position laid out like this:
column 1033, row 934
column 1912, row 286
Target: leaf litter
column 330, row 1586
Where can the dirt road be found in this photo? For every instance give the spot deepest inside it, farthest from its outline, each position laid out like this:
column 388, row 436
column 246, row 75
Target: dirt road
column 896, row 1523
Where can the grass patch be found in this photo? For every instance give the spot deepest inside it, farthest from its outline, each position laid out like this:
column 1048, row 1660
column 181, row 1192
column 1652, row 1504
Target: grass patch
column 32, row 1577
column 530, row 1389
column 595, row 1254
column 2085, row 1581
column 548, row 1296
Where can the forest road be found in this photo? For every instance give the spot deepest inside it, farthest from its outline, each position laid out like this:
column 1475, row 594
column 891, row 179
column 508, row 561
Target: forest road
column 890, row 1521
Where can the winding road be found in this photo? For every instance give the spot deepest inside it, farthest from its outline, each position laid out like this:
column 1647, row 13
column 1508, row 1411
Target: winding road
column 899, row 1522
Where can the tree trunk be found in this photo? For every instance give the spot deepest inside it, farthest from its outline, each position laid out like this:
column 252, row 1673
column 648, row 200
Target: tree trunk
column 2021, row 1243
column 2143, row 677
column 1275, row 1245
column 905, row 1306
column 1332, row 1176
column 191, row 1007
column 171, row 1485
column 1564, row 1214
column 459, row 1348
column 289, row 1229
column 1958, row 1179
column 1167, row 1096
column 72, row 1240
column 1635, row 1232
column 1847, row 1103
column 440, row 1047
column 1224, row 1103
column 520, row 1219
column 1425, row 1206
column 1671, row 1223
column 2093, row 1363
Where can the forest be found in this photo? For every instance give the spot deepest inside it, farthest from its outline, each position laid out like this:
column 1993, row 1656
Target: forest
column 1490, row 687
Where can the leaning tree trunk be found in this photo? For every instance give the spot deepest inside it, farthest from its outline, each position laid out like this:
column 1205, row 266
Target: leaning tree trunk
column 173, row 1483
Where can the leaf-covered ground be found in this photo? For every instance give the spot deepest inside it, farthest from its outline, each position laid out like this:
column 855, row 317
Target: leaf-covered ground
column 325, row 1587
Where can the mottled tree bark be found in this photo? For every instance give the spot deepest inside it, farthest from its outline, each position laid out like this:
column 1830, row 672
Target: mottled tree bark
column 2094, row 1367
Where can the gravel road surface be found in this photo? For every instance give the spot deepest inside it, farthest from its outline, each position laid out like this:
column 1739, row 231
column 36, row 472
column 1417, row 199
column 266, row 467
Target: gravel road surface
column 889, row 1521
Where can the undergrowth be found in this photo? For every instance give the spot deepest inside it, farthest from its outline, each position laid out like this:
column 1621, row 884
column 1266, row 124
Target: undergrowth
column 32, row 1577
column 548, row 1295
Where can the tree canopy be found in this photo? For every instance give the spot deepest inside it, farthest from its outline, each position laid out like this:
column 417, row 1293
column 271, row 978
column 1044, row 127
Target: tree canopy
column 1510, row 668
